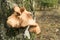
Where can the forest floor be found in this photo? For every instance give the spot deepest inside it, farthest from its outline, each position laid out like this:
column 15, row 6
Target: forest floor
column 49, row 22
